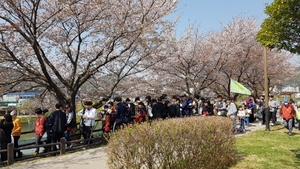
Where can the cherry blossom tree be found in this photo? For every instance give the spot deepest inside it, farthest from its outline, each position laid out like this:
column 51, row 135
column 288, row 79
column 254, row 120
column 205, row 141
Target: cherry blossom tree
column 242, row 58
column 59, row 45
column 193, row 65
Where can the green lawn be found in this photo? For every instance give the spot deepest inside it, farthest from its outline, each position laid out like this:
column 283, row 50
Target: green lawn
column 270, row 150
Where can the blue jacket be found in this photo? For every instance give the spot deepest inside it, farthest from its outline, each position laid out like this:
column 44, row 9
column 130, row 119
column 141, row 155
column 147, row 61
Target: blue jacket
column 121, row 111
column 185, row 108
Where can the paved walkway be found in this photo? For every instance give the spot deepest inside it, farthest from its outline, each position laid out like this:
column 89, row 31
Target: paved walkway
column 91, row 158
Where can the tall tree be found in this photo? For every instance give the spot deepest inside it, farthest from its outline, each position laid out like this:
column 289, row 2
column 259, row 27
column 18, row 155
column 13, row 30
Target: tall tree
column 194, row 64
column 58, row 45
column 282, row 28
column 242, row 58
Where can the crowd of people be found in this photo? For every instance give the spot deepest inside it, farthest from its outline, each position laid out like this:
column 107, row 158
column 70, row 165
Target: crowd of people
column 59, row 123
column 164, row 107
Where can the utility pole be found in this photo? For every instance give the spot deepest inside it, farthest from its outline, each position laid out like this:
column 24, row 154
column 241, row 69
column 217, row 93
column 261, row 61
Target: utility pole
column 266, row 86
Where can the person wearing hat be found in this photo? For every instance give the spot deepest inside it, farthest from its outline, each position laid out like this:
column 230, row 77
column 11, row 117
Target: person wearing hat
column 16, row 132
column 287, row 112
column 39, row 128
column 88, row 115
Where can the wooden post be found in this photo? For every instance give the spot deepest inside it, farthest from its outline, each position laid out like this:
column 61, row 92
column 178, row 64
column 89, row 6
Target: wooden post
column 62, row 146
column 266, row 86
column 10, row 153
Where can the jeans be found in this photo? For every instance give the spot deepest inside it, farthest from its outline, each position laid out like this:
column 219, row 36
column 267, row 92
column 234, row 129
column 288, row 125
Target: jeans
column 48, row 140
column 246, row 119
column 38, row 141
column 273, row 116
column 67, row 135
column 288, row 124
column 242, row 124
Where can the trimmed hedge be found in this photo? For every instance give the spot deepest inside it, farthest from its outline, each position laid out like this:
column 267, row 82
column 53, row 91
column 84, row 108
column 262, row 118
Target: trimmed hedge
column 194, row 142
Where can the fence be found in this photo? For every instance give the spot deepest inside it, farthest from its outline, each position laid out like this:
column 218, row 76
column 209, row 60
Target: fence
column 85, row 143
column 78, row 144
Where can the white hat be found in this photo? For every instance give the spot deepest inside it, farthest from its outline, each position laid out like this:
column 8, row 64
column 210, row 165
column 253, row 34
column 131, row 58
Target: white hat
column 14, row 112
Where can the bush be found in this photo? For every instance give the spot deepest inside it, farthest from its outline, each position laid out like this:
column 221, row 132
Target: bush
column 195, row 142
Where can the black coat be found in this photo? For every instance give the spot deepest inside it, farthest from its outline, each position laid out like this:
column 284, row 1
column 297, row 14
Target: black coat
column 172, row 112
column 130, row 110
column 159, row 111
column 7, row 128
column 121, row 111
column 58, row 121
column 208, row 109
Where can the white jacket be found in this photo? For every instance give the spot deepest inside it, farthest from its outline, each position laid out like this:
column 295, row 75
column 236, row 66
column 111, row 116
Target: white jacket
column 89, row 116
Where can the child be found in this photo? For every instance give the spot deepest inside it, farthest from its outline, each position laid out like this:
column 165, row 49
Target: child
column 207, row 109
column 141, row 115
column 247, row 115
column 241, row 114
column 107, row 118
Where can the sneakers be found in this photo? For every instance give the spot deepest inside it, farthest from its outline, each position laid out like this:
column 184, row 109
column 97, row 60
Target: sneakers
column 290, row 134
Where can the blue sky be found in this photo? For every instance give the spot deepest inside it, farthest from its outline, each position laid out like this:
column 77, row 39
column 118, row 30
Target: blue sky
column 207, row 14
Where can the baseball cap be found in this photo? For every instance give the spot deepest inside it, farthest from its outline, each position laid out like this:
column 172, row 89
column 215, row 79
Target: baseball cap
column 14, row 112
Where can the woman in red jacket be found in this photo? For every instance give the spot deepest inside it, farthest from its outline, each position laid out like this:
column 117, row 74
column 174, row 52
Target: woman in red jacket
column 39, row 128
column 287, row 112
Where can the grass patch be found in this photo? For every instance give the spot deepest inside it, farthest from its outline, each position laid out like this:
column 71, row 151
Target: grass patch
column 274, row 149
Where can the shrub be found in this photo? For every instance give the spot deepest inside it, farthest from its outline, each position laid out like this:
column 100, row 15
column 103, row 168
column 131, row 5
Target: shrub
column 195, row 142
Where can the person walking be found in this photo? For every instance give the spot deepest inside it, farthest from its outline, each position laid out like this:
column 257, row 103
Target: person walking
column 39, row 128
column 58, row 124
column 273, row 110
column 287, row 112
column 16, row 133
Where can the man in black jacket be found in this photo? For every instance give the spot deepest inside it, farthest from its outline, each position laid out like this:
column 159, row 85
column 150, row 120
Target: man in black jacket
column 58, row 122
column 6, row 126
column 130, row 110
column 159, row 110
